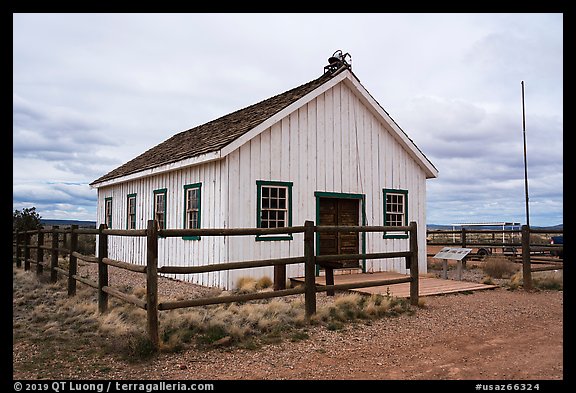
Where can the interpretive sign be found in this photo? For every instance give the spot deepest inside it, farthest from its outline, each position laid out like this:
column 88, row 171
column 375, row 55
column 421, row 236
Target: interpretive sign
column 456, row 254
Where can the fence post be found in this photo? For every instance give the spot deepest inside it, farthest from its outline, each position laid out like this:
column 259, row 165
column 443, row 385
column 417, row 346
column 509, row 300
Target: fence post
column 18, row 250
column 102, row 269
column 463, row 245
column 279, row 277
column 309, row 269
column 54, row 256
column 152, row 283
column 40, row 253
column 526, row 269
column 73, row 262
column 414, row 282
column 26, row 251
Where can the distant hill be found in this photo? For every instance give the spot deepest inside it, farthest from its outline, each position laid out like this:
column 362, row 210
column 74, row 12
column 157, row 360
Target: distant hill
column 449, row 227
column 67, row 223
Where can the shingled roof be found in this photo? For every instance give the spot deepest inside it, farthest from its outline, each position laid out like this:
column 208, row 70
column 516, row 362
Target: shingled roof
column 214, row 135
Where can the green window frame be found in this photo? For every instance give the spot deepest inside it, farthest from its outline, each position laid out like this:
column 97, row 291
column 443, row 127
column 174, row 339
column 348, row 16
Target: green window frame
column 159, row 206
column 192, row 208
column 274, row 207
column 108, row 212
column 395, row 203
column 131, row 211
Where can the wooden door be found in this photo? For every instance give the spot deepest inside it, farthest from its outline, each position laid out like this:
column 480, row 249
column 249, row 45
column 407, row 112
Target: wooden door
column 342, row 212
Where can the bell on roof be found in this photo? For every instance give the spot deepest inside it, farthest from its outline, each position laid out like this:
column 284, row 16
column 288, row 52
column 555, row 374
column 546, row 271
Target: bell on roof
column 336, row 61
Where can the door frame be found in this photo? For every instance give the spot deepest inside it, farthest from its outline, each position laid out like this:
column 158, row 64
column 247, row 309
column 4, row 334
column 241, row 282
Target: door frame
column 341, row 195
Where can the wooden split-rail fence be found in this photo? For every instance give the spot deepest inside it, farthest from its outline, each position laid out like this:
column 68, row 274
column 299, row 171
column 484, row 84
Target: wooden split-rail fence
column 530, row 252
column 23, row 244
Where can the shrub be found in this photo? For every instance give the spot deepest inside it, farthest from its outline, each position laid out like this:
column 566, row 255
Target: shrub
column 246, row 285
column 264, row 282
column 499, row 267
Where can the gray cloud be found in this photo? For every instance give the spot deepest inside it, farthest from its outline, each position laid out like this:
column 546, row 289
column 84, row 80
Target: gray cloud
column 91, row 91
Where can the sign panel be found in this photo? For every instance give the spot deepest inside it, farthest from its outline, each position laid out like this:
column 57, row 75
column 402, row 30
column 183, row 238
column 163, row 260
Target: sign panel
column 456, row 254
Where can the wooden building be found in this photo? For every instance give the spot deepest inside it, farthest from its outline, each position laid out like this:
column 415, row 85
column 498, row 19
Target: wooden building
column 324, row 151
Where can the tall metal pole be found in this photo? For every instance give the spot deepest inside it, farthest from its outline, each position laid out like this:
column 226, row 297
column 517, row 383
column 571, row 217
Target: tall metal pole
column 525, row 163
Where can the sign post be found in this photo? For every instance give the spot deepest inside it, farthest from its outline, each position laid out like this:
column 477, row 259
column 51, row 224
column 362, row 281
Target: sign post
column 456, row 254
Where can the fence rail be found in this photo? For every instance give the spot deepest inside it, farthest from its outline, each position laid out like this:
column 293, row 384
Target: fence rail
column 525, row 243
column 23, row 245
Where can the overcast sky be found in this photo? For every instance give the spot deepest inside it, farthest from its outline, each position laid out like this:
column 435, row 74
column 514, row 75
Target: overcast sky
column 92, row 91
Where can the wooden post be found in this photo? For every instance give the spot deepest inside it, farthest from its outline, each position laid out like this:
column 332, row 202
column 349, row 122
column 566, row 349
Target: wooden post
column 279, row 277
column 40, row 253
column 459, row 270
column 526, row 268
column 54, row 256
column 329, row 276
column 445, row 269
column 464, row 245
column 414, row 283
column 18, row 250
column 73, row 262
column 64, row 242
column 309, row 270
column 26, row 251
column 152, row 283
column 102, row 269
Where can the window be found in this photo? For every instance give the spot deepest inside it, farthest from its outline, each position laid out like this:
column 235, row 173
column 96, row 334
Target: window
column 396, row 212
column 131, row 203
column 192, row 208
column 274, row 201
column 160, row 207
column 108, row 212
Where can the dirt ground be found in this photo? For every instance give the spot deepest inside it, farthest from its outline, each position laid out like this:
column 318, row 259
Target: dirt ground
column 497, row 334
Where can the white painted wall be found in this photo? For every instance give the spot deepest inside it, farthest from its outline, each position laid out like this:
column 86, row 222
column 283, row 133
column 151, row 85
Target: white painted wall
column 334, row 143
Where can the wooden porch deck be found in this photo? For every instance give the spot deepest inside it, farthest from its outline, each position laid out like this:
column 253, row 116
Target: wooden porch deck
column 428, row 286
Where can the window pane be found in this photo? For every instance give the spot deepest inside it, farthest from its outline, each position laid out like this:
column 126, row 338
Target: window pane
column 265, row 203
column 282, row 192
column 281, row 215
column 273, row 203
column 193, row 220
column 265, row 192
column 273, row 192
column 193, row 198
column 282, row 204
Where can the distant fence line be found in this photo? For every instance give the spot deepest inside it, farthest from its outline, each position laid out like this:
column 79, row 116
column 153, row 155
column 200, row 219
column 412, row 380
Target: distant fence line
column 527, row 247
column 22, row 242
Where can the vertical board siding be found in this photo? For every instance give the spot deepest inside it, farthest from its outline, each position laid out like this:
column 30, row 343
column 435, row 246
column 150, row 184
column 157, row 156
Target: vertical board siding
column 173, row 251
column 334, row 143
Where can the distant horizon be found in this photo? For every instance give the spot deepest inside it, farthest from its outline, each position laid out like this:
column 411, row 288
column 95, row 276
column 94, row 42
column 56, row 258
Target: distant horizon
column 427, row 224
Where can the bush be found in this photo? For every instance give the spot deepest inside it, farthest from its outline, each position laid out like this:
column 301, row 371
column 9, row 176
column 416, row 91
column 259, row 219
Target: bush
column 499, row 267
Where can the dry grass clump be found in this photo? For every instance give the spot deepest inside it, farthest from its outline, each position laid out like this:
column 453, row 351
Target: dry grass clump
column 250, row 284
column 497, row 266
column 230, row 323
column 545, row 280
column 353, row 306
